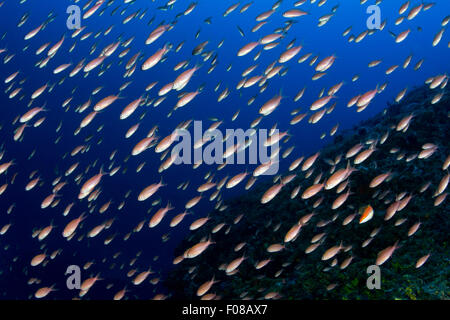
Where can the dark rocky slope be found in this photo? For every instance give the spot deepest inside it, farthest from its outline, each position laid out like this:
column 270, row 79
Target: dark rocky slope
column 306, row 276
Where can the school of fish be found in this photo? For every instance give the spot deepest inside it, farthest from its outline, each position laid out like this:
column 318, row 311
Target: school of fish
column 75, row 192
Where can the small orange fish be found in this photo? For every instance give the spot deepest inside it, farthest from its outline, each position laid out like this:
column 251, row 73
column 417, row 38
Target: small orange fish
column 366, row 213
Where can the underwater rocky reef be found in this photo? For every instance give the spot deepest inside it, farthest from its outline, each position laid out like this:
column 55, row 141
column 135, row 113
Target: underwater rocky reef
column 292, row 273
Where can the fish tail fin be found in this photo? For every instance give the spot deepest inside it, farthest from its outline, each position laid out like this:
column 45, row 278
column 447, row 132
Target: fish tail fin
column 210, row 240
column 120, row 97
column 281, row 93
column 83, row 216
